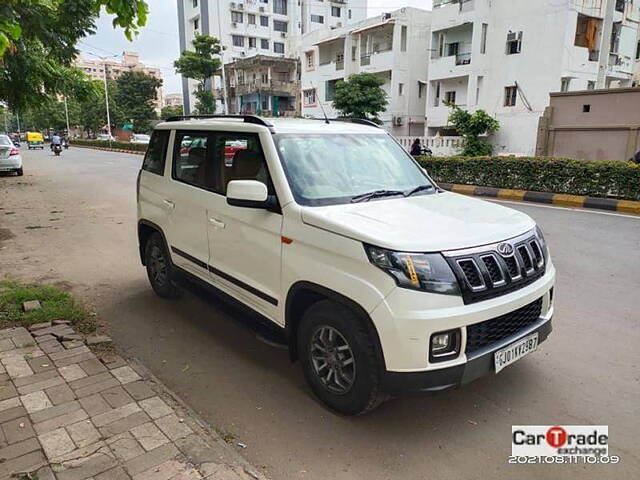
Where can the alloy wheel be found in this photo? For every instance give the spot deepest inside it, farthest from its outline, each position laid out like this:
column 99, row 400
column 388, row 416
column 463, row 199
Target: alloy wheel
column 332, row 359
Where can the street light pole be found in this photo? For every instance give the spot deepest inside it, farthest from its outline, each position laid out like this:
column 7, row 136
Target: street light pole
column 106, row 96
column 224, row 77
column 66, row 112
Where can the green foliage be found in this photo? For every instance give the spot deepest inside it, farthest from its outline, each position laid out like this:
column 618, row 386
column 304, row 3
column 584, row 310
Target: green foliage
column 200, row 65
column 171, row 111
column 471, row 126
column 597, row 178
column 93, row 115
column 134, row 147
column 135, row 96
column 360, row 96
column 56, row 304
column 38, row 44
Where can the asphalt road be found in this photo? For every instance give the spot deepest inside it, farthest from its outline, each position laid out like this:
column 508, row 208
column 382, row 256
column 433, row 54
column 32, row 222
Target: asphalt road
column 72, row 220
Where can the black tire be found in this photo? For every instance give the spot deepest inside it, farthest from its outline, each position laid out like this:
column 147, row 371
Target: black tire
column 363, row 394
column 20, row 172
column 158, row 264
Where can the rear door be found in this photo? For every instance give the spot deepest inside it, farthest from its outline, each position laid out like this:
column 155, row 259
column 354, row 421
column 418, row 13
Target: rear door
column 152, row 181
column 188, row 193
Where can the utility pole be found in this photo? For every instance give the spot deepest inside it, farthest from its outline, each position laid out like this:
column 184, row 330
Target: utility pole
column 224, row 76
column 18, row 120
column 106, row 92
column 605, row 43
column 66, row 112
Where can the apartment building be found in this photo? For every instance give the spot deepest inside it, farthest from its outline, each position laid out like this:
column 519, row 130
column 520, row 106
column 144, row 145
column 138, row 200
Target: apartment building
column 172, row 100
column 247, row 28
column 393, row 46
column 505, row 56
column 130, row 62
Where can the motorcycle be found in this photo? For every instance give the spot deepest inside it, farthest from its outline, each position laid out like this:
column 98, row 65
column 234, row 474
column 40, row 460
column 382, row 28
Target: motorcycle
column 57, row 149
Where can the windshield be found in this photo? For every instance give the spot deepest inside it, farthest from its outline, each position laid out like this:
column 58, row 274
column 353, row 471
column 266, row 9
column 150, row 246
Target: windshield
column 5, row 141
column 333, row 169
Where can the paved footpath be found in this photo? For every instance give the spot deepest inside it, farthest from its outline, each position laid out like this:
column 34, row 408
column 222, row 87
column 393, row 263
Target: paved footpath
column 67, row 415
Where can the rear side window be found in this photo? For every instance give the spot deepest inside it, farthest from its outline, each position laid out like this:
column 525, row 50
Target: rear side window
column 156, row 152
column 192, row 161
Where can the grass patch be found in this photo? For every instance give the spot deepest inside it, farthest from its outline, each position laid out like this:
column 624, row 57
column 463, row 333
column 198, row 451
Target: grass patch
column 56, row 305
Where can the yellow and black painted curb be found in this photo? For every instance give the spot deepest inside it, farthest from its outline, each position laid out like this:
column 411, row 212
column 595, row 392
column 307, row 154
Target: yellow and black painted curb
column 561, row 199
column 109, row 149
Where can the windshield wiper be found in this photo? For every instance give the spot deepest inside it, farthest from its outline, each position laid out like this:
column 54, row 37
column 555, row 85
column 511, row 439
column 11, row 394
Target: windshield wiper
column 365, row 197
column 419, row 188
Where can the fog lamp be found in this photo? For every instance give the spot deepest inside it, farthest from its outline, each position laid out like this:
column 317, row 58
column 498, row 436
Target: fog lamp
column 444, row 345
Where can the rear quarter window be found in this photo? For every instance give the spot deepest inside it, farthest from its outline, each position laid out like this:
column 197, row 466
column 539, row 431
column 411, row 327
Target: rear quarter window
column 156, row 152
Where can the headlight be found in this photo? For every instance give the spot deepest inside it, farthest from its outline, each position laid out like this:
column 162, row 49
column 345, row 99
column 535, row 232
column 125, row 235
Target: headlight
column 543, row 243
column 417, row 271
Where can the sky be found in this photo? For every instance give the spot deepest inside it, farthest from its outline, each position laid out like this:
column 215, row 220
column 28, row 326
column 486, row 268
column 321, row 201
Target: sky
column 157, row 42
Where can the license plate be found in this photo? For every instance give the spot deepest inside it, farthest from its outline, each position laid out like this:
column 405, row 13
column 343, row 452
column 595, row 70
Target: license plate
column 509, row 354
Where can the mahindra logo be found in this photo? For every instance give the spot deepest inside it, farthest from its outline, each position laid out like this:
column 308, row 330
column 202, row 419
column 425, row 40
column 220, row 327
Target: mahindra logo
column 505, row 249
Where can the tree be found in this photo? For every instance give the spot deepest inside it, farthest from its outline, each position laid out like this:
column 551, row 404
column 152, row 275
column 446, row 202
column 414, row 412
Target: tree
column 136, row 93
column 471, row 126
column 200, row 65
column 38, row 44
column 360, row 96
column 171, row 111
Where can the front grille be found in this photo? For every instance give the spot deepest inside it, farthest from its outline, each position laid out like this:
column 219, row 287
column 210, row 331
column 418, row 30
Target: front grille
column 484, row 273
column 487, row 333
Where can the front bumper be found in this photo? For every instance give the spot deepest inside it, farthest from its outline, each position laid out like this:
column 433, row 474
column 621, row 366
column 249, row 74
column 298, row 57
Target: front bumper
column 477, row 365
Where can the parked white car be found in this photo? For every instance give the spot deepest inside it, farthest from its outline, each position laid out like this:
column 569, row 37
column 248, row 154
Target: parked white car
column 381, row 282
column 105, row 136
column 140, row 138
column 10, row 158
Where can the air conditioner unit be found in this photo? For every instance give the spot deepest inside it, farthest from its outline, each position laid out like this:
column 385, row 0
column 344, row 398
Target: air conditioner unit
column 339, row 24
column 512, row 36
column 386, row 16
column 398, row 121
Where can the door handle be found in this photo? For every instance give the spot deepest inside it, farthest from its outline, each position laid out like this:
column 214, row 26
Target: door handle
column 169, row 204
column 216, row 223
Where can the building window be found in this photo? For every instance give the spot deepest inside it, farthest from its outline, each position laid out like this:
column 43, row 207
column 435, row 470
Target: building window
column 638, row 51
column 195, row 3
column 264, row 21
column 450, row 97
column 264, row 44
column 253, row 42
column 251, row 18
column 236, row 17
column 564, row 84
column 510, row 94
column 452, row 49
column 354, row 53
column 279, row 26
column 420, row 89
column 403, row 38
column 349, row 12
column 309, row 60
column 265, row 105
column 280, row 7
column 335, row 11
column 514, row 43
column 317, row 18
column 400, row 88
column 586, row 108
column 330, row 89
column 237, row 40
column 591, row 85
column 196, row 23
column 483, row 38
column 309, row 97
column 278, row 47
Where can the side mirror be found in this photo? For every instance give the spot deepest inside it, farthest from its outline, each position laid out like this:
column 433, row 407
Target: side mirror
column 249, row 194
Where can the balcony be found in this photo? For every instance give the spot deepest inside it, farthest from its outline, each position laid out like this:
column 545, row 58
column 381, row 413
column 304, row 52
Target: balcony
column 450, row 66
column 272, row 87
column 377, row 61
column 463, row 58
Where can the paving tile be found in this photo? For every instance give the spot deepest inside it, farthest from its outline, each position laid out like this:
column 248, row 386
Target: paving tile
column 114, row 361
column 125, row 424
column 165, row 471
column 115, row 414
column 41, row 364
column 20, row 448
column 7, row 391
column 56, row 443
column 6, row 344
column 56, row 411
column 93, row 465
column 39, row 326
column 26, row 463
column 9, row 403
column 74, row 359
column 149, row 436
column 45, row 338
column 94, row 404
column 117, row 473
column 36, row 401
column 117, row 397
column 155, row 407
column 125, row 447
column 17, row 430
column 72, row 344
column 34, row 387
column 92, row 366
column 17, row 367
column 172, row 427
column 72, row 372
column 96, row 387
column 12, row 413
column 69, row 353
column 151, row 459
column 60, row 394
column 31, row 352
column 45, row 473
column 36, row 378
column 51, row 347
column 125, row 374
column 139, row 390
column 23, row 339
column 85, row 381
column 61, row 421
column 83, row 433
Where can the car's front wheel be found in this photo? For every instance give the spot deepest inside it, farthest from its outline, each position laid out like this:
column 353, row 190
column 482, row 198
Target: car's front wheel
column 338, row 359
column 19, row 172
column 158, row 265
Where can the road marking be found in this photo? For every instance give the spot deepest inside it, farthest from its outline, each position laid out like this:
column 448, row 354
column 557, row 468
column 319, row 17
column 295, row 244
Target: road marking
column 554, row 207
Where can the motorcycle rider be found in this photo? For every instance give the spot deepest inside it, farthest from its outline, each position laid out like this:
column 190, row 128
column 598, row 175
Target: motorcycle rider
column 55, row 140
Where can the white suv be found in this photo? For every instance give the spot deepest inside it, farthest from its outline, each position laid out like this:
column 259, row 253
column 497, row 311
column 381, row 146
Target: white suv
column 382, row 282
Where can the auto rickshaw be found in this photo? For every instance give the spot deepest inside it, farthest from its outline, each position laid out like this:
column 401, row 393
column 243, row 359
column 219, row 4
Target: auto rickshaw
column 34, row 140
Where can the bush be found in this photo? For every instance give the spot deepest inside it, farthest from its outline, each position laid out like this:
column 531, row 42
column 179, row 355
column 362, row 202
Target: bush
column 597, row 178
column 134, row 147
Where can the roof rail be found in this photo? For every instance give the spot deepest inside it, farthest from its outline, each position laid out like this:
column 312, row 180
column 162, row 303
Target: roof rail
column 361, row 121
column 254, row 119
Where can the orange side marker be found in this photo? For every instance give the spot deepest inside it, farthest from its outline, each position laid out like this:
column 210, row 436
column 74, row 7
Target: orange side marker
column 286, row 240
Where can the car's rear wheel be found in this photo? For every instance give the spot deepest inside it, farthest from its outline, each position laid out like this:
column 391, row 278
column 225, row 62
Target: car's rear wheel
column 158, row 265
column 338, row 359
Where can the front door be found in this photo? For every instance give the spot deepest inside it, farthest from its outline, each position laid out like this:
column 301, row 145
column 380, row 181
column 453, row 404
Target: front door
column 245, row 243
